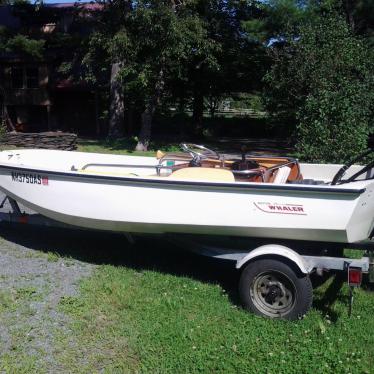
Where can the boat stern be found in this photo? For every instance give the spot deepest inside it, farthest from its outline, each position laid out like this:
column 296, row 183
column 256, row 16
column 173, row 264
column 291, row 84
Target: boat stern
column 361, row 224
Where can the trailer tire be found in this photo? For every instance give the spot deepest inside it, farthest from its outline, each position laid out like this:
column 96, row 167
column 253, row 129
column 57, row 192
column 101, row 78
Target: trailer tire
column 273, row 289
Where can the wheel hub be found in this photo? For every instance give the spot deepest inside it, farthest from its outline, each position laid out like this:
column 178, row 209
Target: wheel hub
column 273, row 294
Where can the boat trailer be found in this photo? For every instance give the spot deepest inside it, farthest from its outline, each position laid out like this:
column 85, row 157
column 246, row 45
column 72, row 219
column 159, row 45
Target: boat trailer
column 268, row 271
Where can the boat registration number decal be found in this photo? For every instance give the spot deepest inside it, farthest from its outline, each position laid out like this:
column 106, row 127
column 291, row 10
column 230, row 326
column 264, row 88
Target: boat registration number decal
column 281, row 208
column 30, row 178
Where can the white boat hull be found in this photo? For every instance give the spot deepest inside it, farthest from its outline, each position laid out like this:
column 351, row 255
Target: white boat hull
column 154, row 205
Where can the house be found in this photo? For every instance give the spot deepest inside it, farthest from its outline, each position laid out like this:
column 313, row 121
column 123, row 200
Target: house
column 35, row 95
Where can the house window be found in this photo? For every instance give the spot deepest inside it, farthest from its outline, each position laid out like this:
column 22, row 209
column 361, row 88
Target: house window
column 32, row 77
column 25, row 77
column 17, row 78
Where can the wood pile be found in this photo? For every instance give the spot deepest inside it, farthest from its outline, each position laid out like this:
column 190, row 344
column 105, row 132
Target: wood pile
column 46, row 140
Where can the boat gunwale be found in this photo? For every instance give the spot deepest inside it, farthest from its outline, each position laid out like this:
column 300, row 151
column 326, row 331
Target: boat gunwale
column 234, row 185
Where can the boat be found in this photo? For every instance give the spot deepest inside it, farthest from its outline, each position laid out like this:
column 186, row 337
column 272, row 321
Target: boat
column 290, row 221
column 195, row 191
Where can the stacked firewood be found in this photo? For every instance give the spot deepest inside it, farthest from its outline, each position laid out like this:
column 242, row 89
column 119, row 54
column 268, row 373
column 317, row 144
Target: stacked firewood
column 47, row 140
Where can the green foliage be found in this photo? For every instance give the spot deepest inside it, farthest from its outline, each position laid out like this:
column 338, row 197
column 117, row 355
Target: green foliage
column 23, row 44
column 247, row 101
column 196, row 48
column 153, row 36
column 333, row 124
column 323, row 80
column 279, row 18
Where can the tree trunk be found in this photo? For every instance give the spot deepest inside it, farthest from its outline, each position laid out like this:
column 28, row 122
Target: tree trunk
column 198, row 110
column 117, row 108
column 147, row 115
column 146, row 127
column 8, row 120
column 349, row 6
column 129, row 121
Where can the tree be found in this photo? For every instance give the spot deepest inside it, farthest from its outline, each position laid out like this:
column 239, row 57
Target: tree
column 103, row 59
column 20, row 43
column 324, row 81
column 152, row 42
column 238, row 62
column 175, row 50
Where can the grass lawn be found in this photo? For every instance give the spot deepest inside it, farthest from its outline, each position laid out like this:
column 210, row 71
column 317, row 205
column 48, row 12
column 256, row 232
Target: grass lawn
column 123, row 146
column 151, row 309
column 223, row 145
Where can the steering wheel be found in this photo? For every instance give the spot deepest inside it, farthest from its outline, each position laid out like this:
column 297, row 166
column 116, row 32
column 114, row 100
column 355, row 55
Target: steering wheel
column 341, row 172
column 203, row 152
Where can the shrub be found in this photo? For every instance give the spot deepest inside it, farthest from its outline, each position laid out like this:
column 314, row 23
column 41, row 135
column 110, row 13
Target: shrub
column 327, row 79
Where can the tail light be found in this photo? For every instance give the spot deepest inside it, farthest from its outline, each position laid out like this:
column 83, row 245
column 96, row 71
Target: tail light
column 354, row 276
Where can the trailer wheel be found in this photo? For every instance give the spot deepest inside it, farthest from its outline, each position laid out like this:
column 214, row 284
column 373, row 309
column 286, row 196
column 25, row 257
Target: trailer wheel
column 271, row 288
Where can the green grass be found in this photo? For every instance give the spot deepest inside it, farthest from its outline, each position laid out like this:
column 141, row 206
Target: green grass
column 124, row 146
column 157, row 320
column 52, row 256
column 6, row 300
column 176, row 324
column 150, row 308
column 21, row 364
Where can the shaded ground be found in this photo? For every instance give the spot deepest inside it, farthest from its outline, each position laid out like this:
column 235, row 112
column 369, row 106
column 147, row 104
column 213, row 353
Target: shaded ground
column 32, row 283
column 275, row 146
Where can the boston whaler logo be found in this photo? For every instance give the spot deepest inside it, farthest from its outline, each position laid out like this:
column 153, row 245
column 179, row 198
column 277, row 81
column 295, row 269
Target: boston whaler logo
column 30, row 178
column 281, row 208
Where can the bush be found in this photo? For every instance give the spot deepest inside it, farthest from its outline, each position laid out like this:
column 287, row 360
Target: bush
column 333, row 125
column 327, row 80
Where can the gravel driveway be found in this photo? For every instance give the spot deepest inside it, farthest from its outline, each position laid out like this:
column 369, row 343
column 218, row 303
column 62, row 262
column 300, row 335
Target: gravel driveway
column 32, row 282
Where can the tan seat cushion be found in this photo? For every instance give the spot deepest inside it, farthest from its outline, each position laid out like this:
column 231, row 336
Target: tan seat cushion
column 282, row 174
column 203, row 174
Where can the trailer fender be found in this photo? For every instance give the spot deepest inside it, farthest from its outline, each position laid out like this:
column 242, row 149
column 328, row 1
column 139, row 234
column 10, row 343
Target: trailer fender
column 276, row 250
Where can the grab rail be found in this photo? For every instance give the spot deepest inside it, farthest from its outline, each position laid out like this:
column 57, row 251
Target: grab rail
column 119, row 166
column 157, row 167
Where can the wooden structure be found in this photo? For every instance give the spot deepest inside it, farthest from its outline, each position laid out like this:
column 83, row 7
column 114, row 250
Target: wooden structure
column 46, row 140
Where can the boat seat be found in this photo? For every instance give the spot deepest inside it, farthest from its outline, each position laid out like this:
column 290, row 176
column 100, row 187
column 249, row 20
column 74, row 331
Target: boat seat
column 282, row 174
column 203, row 174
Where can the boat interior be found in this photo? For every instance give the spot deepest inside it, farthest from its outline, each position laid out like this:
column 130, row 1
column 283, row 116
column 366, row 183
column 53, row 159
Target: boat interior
column 197, row 162
column 213, row 166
